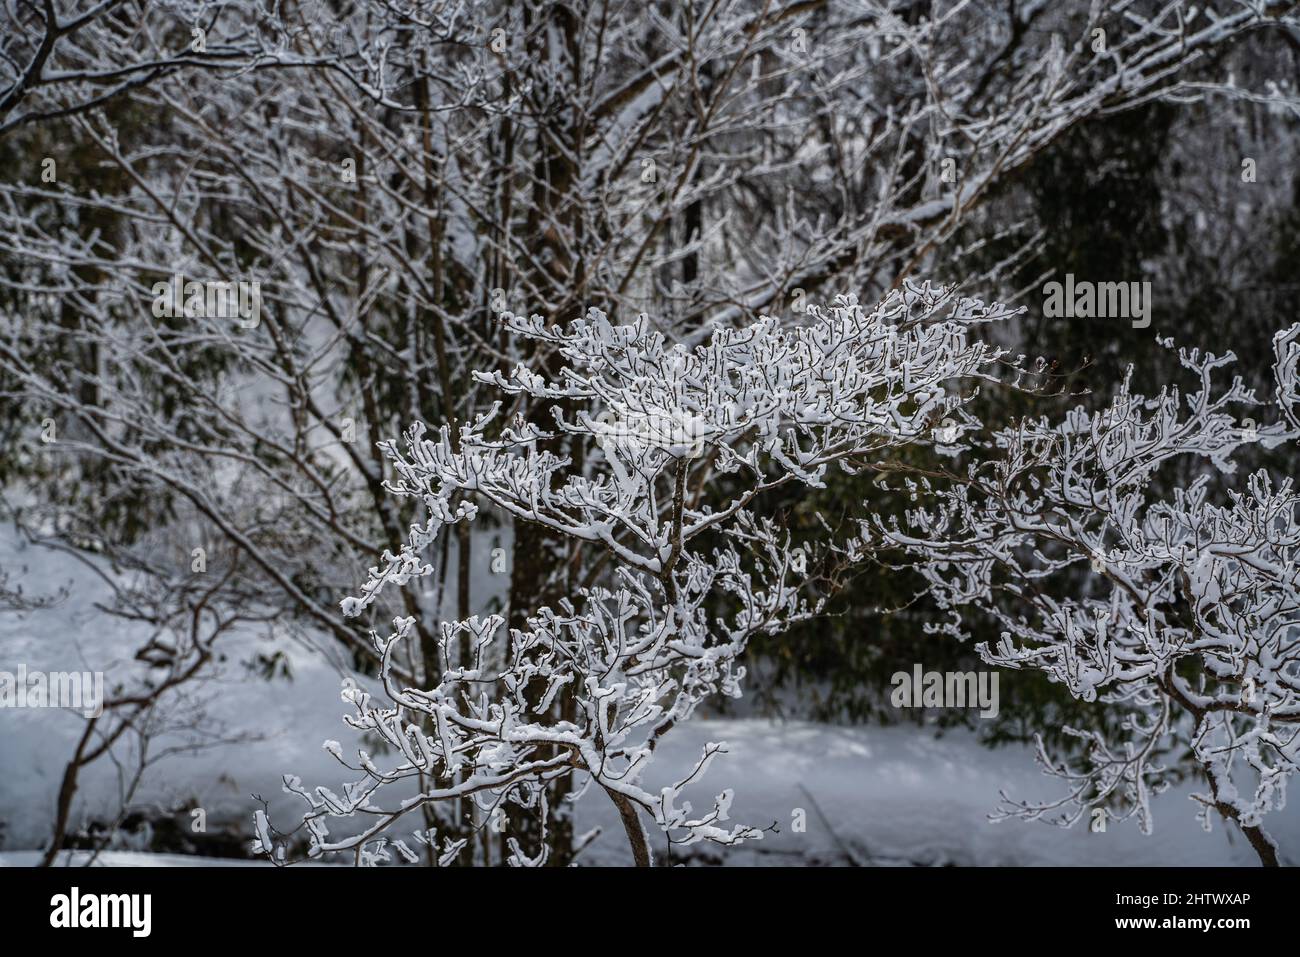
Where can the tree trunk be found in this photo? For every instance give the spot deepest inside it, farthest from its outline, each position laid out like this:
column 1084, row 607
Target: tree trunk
column 67, row 789
column 636, row 835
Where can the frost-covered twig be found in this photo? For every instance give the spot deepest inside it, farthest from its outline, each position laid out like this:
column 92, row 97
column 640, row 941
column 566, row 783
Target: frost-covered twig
column 689, row 582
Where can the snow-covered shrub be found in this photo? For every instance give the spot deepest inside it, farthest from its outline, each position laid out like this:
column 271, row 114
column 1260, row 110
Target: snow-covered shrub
column 688, row 576
column 1190, row 621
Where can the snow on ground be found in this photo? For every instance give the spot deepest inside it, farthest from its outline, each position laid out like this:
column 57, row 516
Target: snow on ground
column 898, row 795
column 122, row 859
column 873, row 795
column 293, row 716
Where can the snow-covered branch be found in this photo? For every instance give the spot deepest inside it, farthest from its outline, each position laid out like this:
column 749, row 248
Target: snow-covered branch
column 629, row 657
column 1187, row 610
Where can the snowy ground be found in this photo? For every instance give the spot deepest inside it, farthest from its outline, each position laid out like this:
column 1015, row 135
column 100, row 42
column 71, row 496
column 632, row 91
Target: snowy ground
column 122, row 859
column 898, row 795
column 870, row 795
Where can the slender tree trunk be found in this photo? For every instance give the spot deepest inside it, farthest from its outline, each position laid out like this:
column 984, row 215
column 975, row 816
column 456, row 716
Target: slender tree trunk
column 636, row 835
column 1262, row 844
column 1259, row 840
column 67, row 789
